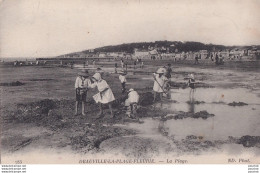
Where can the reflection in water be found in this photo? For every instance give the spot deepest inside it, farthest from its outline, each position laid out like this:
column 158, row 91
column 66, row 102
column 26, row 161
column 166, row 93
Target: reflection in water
column 228, row 121
column 191, row 106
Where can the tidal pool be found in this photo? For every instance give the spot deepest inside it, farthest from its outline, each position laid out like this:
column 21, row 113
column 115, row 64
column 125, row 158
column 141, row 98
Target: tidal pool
column 228, row 121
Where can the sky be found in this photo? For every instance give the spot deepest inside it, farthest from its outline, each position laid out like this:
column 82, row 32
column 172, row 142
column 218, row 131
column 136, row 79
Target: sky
column 41, row 28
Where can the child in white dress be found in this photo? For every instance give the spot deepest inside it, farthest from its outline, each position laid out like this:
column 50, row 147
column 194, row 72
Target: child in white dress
column 131, row 103
column 106, row 94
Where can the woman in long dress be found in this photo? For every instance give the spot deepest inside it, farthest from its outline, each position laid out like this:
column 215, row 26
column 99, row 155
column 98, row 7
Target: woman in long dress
column 106, row 95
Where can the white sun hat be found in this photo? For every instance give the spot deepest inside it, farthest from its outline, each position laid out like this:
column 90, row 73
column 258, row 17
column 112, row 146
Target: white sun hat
column 161, row 70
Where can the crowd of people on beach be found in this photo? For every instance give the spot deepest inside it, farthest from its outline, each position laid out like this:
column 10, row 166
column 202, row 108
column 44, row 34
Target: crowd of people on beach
column 85, row 82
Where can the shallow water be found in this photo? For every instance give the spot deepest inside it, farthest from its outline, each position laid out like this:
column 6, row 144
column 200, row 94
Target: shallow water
column 235, row 121
column 211, row 95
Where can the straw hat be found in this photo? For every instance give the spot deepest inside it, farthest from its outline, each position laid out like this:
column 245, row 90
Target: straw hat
column 131, row 89
column 122, row 72
column 84, row 73
column 161, row 70
column 99, row 70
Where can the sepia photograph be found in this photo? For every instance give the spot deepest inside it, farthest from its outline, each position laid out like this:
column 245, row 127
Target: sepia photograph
column 130, row 82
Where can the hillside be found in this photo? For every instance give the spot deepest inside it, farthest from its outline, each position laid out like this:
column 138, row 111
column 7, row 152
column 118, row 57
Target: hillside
column 172, row 45
column 162, row 46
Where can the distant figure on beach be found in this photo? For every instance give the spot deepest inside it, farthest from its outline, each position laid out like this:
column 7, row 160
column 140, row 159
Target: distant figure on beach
column 15, row 63
column 94, row 63
column 134, row 64
column 122, row 63
column 191, row 84
column 142, row 64
column 221, row 60
column 159, row 82
column 115, row 67
column 216, row 59
column 168, row 71
column 122, row 78
column 211, row 57
column 105, row 95
column 81, row 86
column 131, row 103
column 196, row 59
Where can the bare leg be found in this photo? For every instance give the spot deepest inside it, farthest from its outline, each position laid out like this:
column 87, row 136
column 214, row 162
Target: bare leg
column 154, row 96
column 111, row 110
column 190, row 95
column 83, row 108
column 193, row 92
column 101, row 109
column 76, row 108
column 161, row 94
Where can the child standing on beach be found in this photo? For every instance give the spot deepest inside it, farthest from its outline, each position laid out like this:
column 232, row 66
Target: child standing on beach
column 81, row 85
column 115, row 67
column 122, row 63
column 191, row 84
column 168, row 71
column 122, row 79
column 142, row 64
column 105, row 94
column 159, row 82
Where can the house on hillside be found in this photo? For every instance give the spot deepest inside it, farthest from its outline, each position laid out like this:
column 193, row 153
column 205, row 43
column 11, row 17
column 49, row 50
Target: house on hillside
column 141, row 53
column 128, row 56
column 237, row 52
column 116, row 54
column 167, row 55
column 102, row 54
column 154, row 54
column 254, row 52
column 224, row 53
column 203, row 54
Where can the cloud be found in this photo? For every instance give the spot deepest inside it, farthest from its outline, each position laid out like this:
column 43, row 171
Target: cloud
column 52, row 27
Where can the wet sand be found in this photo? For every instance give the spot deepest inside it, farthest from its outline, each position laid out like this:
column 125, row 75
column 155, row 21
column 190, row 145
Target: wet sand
column 37, row 117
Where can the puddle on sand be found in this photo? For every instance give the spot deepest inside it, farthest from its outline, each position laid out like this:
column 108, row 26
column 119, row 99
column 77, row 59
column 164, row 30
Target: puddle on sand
column 234, row 121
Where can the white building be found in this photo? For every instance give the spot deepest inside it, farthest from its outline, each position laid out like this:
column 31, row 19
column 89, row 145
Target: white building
column 102, row 55
column 141, row 54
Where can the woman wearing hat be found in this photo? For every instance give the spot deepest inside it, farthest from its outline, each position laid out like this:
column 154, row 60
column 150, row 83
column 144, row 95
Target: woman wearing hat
column 81, row 85
column 106, row 94
column 122, row 79
column 159, row 82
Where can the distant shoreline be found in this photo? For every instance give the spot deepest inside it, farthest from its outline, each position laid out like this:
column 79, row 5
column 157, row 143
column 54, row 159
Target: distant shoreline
column 17, row 59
